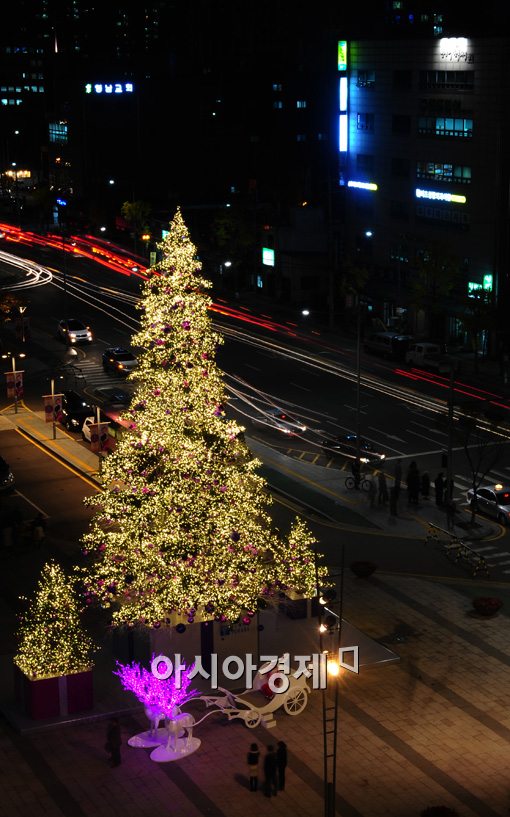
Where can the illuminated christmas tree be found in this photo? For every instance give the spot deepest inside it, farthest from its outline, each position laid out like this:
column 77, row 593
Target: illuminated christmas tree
column 182, row 526
column 52, row 641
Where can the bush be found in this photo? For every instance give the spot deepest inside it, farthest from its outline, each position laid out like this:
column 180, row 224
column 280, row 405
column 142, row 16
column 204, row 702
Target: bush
column 487, row 605
column 362, row 569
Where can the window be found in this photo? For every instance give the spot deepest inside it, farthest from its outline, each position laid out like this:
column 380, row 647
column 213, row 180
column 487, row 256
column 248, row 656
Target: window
column 443, row 172
column 400, row 167
column 301, row 103
column 460, row 80
column 446, row 126
column 58, row 132
column 452, row 217
column 403, row 80
column 366, row 78
column 278, row 104
column 300, row 137
column 365, row 161
column 401, row 123
column 277, row 86
column 365, row 121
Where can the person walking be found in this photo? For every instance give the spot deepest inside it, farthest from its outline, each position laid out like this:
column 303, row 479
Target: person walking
column 413, row 484
column 425, row 485
column 253, row 766
column 113, row 741
column 281, row 763
column 371, row 492
column 439, row 489
column 382, row 496
column 270, row 771
column 397, row 473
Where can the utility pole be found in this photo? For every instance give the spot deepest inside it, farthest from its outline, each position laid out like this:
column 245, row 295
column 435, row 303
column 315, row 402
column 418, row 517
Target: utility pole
column 449, row 462
column 330, row 627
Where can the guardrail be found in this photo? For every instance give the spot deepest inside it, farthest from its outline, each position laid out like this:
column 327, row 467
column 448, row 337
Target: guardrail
column 456, row 550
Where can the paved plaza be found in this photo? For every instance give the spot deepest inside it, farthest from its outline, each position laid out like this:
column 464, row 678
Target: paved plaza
column 432, row 728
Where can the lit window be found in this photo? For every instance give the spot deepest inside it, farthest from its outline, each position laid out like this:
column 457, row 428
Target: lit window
column 301, row 103
column 301, row 137
column 278, row 104
column 365, row 121
column 277, row 86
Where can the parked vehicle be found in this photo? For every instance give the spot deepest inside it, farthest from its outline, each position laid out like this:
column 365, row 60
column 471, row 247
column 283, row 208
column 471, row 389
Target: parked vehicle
column 428, row 356
column 6, row 476
column 387, row 344
column 73, row 410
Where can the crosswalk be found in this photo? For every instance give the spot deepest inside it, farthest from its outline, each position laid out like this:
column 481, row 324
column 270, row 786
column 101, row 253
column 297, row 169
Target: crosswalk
column 90, row 375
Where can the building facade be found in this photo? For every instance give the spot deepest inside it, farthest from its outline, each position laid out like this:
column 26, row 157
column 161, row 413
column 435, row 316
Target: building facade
column 424, row 170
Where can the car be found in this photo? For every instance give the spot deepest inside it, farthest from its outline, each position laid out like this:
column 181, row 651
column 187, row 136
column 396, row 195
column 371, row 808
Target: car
column 73, row 331
column 7, row 481
column 117, row 359
column 115, row 398
column 387, row 344
column 276, row 419
column 344, row 445
column 73, row 410
column 428, row 356
column 493, row 500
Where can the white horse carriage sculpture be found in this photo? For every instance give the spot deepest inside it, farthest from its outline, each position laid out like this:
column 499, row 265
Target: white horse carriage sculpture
column 261, row 702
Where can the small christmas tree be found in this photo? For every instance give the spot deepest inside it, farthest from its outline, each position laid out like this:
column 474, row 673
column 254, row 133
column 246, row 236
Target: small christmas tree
column 52, row 641
column 182, row 525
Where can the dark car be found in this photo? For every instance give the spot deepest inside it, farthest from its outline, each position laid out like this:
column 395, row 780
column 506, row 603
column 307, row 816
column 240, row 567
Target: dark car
column 6, row 476
column 345, row 446
column 74, row 410
column 117, row 359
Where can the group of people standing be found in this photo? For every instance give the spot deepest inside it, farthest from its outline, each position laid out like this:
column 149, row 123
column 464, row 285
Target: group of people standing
column 417, row 484
column 275, row 763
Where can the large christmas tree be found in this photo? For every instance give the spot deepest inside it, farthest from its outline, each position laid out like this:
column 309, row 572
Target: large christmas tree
column 182, row 525
column 52, row 641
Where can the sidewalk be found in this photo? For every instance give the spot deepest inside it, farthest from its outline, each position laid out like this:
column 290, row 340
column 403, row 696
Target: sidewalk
column 430, row 729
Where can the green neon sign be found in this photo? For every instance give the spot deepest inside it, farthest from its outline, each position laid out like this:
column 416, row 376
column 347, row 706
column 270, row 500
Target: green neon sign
column 342, row 55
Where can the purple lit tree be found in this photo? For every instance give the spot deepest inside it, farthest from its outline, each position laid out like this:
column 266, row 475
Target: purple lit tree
column 161, row 697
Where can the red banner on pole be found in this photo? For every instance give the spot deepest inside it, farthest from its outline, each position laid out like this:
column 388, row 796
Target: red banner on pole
column 14, row 385
column 52, row 407
column 98, row 436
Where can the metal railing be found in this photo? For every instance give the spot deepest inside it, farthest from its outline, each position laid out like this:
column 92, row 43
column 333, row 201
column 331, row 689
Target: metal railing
column 456, row 550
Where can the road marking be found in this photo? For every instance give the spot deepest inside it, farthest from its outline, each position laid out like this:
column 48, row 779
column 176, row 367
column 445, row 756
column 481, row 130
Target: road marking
column 31, row 503
column 495, row 555
column 353, row 408
column 391, row 436
column 255, row 368
column 417, row 434
column 503, row 563
column 487, row 547
column 299, row 387
column 433, row 430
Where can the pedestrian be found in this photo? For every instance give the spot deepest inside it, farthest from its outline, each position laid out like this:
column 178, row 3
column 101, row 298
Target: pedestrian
column 439, row 489
column 253, row 766
column 371, row 492
column 38, row 529
column 425, row 485
column 270, row 770
column 382, row 497
column 281, row 763
column 397, row 473
column 113, row 741
column 413, row 484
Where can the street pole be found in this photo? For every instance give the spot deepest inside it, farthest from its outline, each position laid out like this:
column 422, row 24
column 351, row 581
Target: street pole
column 53, row 407
column 14, row 384
column 358, row 378
column 449, row 468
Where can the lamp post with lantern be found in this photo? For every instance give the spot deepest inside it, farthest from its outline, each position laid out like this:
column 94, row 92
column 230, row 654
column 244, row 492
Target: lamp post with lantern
column 14, row 378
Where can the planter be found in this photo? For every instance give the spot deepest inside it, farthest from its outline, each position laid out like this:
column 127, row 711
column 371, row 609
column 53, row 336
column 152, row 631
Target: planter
column 487, row 605
column 56, row 696
column 363, row 569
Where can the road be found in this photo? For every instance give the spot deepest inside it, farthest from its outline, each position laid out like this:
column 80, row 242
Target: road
column 262, row 367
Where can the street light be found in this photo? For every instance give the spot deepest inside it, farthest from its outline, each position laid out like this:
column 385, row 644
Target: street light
column 15, row 385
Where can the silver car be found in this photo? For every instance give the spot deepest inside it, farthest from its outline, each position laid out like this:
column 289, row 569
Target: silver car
column 73, row 331
column 493, row 500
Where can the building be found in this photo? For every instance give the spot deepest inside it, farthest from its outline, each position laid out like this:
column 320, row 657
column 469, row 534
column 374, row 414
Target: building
column 424, row 173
